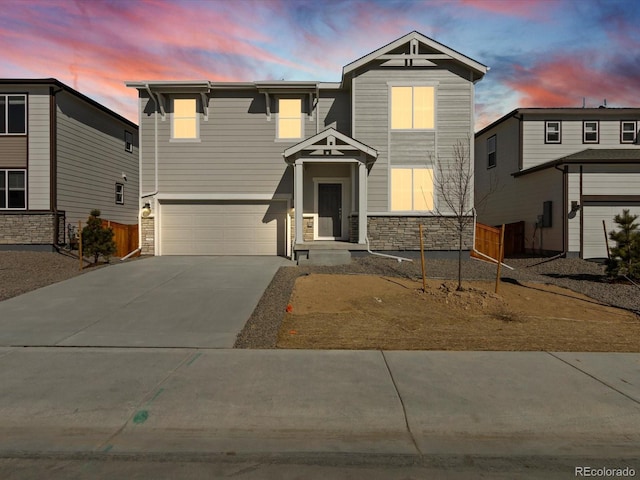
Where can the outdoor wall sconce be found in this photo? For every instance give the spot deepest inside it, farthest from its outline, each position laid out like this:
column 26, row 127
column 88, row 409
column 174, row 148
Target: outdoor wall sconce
column 146, row 210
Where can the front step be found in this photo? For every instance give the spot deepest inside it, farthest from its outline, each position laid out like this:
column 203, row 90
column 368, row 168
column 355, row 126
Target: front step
column 325, row 257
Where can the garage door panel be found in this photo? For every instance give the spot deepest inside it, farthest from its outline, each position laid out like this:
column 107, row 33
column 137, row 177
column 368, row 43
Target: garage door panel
column 222, row 228
column 594, row 243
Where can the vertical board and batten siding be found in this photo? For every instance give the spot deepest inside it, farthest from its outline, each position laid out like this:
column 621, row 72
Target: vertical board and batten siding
column 13, row 151
column 91, row 160
column 39, row 168
column 454, row 111
column 536, row 151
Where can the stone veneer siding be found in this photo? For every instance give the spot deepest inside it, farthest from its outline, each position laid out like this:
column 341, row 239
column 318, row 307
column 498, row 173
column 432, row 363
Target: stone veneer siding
column 402, row 233
column 147, row 226
column 307, row 229
column 28, row 228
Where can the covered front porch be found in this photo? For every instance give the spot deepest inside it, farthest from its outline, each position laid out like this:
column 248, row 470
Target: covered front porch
column 330, row 192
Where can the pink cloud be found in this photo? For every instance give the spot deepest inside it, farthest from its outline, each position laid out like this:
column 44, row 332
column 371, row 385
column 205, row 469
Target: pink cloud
column 520, row 8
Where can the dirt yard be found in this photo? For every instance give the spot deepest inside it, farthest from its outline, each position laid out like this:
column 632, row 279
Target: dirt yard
column 374, row 312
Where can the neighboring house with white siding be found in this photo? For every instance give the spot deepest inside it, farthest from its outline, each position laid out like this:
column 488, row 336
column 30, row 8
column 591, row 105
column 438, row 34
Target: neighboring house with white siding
column 62, row 154
column 562, row 171
column 285, row 167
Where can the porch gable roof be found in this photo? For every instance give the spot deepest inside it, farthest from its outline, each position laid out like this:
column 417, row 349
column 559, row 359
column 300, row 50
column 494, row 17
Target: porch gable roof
column 329, row 141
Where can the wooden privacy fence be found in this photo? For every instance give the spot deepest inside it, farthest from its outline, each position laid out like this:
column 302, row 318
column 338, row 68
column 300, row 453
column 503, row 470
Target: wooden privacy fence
column 125, row 236
column 487, row 241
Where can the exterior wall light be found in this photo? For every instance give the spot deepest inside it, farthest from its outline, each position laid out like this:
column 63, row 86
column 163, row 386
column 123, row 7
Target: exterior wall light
column 146, row 210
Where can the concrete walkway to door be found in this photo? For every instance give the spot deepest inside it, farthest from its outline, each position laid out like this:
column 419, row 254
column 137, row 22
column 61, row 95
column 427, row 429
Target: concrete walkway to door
column 184, row 302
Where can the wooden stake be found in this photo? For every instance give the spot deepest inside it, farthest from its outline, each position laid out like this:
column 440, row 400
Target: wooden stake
column 80, row 242
column 424, row 277
column 500, row 257
column 606, row 239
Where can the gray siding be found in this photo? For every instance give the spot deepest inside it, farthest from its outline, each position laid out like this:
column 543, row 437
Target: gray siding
column 91, row 160
column 454, row 113
column 335, row 111
column 38, row 189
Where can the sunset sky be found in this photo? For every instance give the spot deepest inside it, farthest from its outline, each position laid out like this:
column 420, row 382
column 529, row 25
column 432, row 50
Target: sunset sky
column 544, row 53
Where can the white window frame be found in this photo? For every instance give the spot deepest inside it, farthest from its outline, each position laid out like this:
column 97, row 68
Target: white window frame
column 585, row 132
column 128, row 141
column 6, row 113
column 434, row 86
column 412, row 168
column 492, row 151
column 634, row 131
column 278, row 117
column 6, row 188
column 174, row 118
column 547, row 131
column 119, row 193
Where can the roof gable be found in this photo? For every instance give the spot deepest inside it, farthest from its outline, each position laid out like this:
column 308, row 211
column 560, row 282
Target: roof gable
column 415, row 49
column 332, row 141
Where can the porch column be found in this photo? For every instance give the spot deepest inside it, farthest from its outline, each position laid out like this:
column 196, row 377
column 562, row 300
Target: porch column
column 362, row 203
column 298, row 181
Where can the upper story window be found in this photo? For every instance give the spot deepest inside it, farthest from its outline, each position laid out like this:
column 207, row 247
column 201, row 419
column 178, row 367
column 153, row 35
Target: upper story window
column 552, row 132
column 491, row 151
column 290, row 125
column 590, row 132
column 13, row 188
column 119, row 193
column 13, row 114
column 128, row 141
column 413, row 108
column 628, row 132
column 411, row 189
column 184, row 124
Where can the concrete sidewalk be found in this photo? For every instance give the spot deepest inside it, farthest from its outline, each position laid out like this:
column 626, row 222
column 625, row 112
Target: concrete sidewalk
column 138, row 400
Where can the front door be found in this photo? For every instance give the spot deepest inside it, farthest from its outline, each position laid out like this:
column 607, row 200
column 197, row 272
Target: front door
column 330, row 210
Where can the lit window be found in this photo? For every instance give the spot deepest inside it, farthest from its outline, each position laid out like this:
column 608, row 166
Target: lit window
column 552, row 132
column 289, row 118
column 491, row 151
column 411, row 189
column 13, row 189
column 590, row 132
column 13, row 114
column 185, row 119
column 128, row 141
column 628, row 132
column 119, row 194
column 412, row 108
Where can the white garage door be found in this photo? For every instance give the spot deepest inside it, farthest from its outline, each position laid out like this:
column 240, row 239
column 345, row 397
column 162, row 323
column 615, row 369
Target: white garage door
column 222, row 228
column 594, row 244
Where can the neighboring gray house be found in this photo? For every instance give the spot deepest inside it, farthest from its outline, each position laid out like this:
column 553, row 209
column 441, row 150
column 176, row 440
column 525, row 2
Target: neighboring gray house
column 562, row 171
column 285, row 167
column 61, row 155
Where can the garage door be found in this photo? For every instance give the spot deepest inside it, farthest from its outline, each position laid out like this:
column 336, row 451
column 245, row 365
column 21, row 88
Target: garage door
column 222, row 228
column 594, row 245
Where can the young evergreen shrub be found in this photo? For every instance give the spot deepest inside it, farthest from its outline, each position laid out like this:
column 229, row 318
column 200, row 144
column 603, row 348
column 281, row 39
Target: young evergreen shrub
column 96, row 239
column 625, row 255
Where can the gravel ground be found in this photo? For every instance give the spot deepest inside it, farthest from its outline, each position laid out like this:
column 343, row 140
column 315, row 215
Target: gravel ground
column 261, row 330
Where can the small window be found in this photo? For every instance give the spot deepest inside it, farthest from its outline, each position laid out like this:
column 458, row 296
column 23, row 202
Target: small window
column 628, row 132
column 491, row 151
column 13, row 189
column 290, row 118
column 413, row 108
column 590, row 132
column 128, row 141
column 411, row 189
column 185, row 119
column 119, row 194
column 552, row 132
column 13, row 114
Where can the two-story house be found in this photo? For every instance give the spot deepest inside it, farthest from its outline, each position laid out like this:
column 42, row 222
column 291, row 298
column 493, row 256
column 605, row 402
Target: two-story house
column 561, row 171
column 62, row 154
column 281, row 167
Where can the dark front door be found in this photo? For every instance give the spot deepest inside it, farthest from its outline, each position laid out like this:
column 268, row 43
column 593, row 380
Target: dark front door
column 330, row 210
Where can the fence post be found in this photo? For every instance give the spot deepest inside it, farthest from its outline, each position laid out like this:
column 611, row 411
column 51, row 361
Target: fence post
column 606, row 239
column 80, row 242
column 424, row 278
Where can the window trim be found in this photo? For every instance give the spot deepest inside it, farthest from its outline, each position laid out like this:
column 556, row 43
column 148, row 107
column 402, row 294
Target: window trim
column 584, row 131
column 119, row 193
column 128, row 145
column 302, row 117
column 6, row 188
column 6, row 119
column 173, row 118
column 495, row 152
column 412, row 168
column 635, row 131
column 433, row 85
column 546, row 132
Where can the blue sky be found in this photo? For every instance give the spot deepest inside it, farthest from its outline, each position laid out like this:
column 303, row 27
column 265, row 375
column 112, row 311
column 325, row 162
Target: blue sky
column 543, row 53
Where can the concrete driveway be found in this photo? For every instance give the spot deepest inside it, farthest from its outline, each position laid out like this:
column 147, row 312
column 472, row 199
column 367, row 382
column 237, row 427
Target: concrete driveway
column 156, row 302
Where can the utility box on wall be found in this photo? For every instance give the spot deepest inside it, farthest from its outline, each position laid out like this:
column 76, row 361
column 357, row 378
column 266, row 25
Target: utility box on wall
column 546, row 214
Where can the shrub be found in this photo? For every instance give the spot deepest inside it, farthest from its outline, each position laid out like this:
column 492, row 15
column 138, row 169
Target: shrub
column 96, row 239
column 625, row 255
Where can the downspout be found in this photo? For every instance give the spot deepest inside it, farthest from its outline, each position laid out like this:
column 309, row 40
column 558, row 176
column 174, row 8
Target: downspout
column 399, row 259
column 155, row 143
column 565, row 207
column 53, row 158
